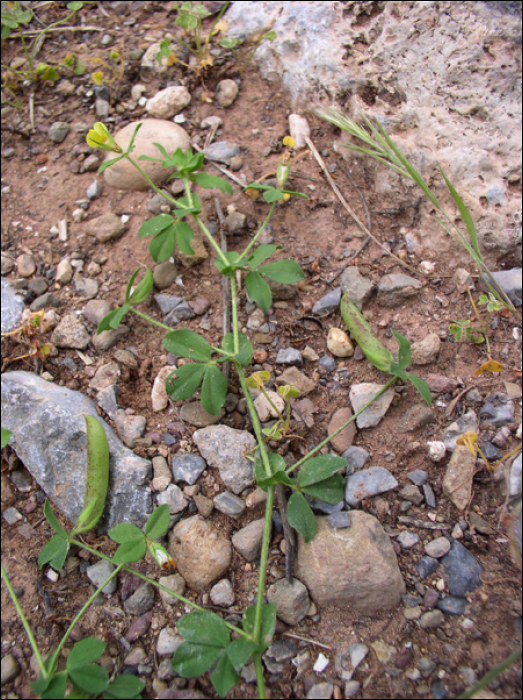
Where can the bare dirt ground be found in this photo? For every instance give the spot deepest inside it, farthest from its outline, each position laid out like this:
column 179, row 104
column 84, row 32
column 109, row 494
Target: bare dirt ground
column 322, row 237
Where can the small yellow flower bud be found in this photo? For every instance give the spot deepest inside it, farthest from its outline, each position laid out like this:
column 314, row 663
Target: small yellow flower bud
column 286, row 196
column 289, row 141
column 99, row 137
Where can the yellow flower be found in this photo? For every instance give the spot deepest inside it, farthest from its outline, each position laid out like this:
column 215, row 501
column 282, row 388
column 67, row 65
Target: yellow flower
column 99, row 137
column 286, row 196
column 289, row 141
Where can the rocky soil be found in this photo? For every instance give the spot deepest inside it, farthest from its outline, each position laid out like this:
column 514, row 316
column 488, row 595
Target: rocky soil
column 410, row 588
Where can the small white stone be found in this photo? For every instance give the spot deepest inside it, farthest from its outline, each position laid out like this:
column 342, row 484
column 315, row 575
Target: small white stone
column 52, row 576
column 264, row 409
column 300, row 130
column 427, row 267
column 125, row 218
column 440, row 585
column 339, row 343
column 437, row 451
column 321, row 664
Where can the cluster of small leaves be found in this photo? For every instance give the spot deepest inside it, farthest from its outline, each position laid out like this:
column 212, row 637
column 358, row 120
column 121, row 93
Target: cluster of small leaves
column 318, row 478
column 274, row 194
column 87, row 677
column 466, row 330
column 257, row 381
column 115, row 68
column 134, row 543
column 207, row 644
column 185, row 381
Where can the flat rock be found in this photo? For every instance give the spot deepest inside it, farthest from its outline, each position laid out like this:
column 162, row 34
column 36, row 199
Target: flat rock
column 431, row 619
column 229, row 504
column 265, row 406
column 130, row 428
column 416, row 418
column 100, row 572
column 123, row 175
column 58, row 131
column 12, row 307
column 452, row 605
column 108, row 226
column 411, row 493
column 426, row 566
column 355, row 568
column 289, row 356
column 457, row 482
column 418, row 477
column 167, row 302
column 328, row 304
column 358, row 288
column 510, row 282
column 395, row 289
column 95, row 310
column 188, row 468
column 141, row 601
column 86, row 288
column 498, row 410
column 159, row 396
column 25, row 265
column 201, row 552
column 195, row 414
column 357, row 458
column 168, row 102
column 467, row 423
column 248, row 540
column 408, row 540
column 222, row 152
column 182, row 312
column 71, row 333
column 107, row 399
column 361, row 394
column 174, row 498
column 293, row 377
column 437, row 548
column 292, row 600
column 343, row 440
column 225, row 448
column 426, row 351
column 49, row 437
column 106, row 340
column 439, row 384
column 368, row 483
column 462, row 570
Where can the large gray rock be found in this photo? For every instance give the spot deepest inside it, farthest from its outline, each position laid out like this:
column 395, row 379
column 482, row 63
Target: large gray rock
column 394, row 289
column 509, row 281
column 357, row 287
column 225, row 448
column 123, row 175
column 12, row 307
column 49, row 437
column 354, row 567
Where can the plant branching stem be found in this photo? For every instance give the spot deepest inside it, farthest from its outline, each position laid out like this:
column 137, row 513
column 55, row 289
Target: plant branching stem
column 260, row 231
column 151, row 320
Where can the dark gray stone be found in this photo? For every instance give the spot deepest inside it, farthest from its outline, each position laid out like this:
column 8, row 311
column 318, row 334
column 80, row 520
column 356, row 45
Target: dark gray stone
column 167, row 302
column 462, row 570
column 357, row 458
column 368, row 483
column 45, row 301
column 58, row 131
column 498, row 410
column 452, row 605
column 38, row 286
column 357, row 287
column 426, row 566
column 229, row 504
column 439, row 691
column 141, row 600
column 100, row 572
column 327, row 508
column 329, row 303
column 188, row 468
column 418, row 477
column 491, row 452
column 289, row 356
column 12, row 307
column 182, row 312
column 428, row 493
column 49, row 437
column 328, row 363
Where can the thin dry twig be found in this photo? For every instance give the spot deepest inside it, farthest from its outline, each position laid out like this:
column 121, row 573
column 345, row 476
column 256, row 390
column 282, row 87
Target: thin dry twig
column 308, row 641
column 82, row 28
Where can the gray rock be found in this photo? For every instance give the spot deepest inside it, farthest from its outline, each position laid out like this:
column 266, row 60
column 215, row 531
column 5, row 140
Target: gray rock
column 100, row 572
column 498, row 410
column 141, row 601
column 225, row 448
column 107, row 399
column 25, row 265
column 107, row 339
column 462, row 570
column 12, row 307
column 358, row 288
column 102, row 108
column 11, row 516
column 7, row 265
column 294, row 377
column 226, row 92
column 168, row 642
column 46, row 301
column 361, row 394
column 411, row 493
column 64, row 272
column 94, row 191
column 58, row 131
column 236, row 222
column 292, row 600
column 86, row 288
column 167, row 302
column 10, row 669
column 175, row 583
column 426, row 566
column 467, row 423
column 515, row 485
column 182, row 312
column 395, row 289
column 38, row 286
column 229, row 504
column 96, row 310
column 174, row 498
column 130, row 428
column 339, row 521
column 352, row 689
column 289, row 356
column 201, row 552
column 123, row 175
column 188, row 468
column 328, row 363
column 70, row 333
column 353, row 567
column 357, row 458
column 320, row 690
column 329, row 303
column 159, row 204
column 164, row 276
column 418, row 477
column 107, row 227
column 491, row 452
column 453, row 606
column 326, row 508
column 195, row 414
column 509, row 281
column 408, row 540
column 248, row 540
column 438, row 548
column 49, row 438
column 222, row 594
column 222, row 152
column 428, row 493
column 368, row 483
column 346, row 662
column 431, row 619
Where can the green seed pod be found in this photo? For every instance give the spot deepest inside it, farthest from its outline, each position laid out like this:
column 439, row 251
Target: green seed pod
column 361, row 331
column 97, row 477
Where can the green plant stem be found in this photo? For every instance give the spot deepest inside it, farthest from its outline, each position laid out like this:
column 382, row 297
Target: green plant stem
column 264, row 558
column 260, row 231
column 491, row 675
column 213, row 25
column 25, row 622
column 151, row 320
column 339, row 430
column 258, row 666
column 245, row 65
column 211, row 240
column 149, row 181
column 28, row 54
column 234, row 313
column 87, row 605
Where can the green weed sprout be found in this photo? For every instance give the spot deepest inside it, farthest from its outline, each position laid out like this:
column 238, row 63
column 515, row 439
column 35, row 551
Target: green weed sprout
column 114, row 69
column 377, row 144
column 477, row 333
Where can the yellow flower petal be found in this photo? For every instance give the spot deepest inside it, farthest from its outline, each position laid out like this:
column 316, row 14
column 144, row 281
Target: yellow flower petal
column 289, row 141
column 490, row 366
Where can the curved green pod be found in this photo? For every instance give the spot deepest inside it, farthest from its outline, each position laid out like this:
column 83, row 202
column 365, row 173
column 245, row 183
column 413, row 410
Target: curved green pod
column 361, row 331
column 97, row 476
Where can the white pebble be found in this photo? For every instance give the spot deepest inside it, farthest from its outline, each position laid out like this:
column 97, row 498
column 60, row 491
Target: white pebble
column 440, row 585
column 52, row 576
column 321, row 664
column 437, row 451
column 427, row 267
column 300, row 130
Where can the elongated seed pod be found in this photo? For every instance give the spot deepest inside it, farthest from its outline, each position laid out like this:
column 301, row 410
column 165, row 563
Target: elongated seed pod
column 361, row 331
column 97, row 476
